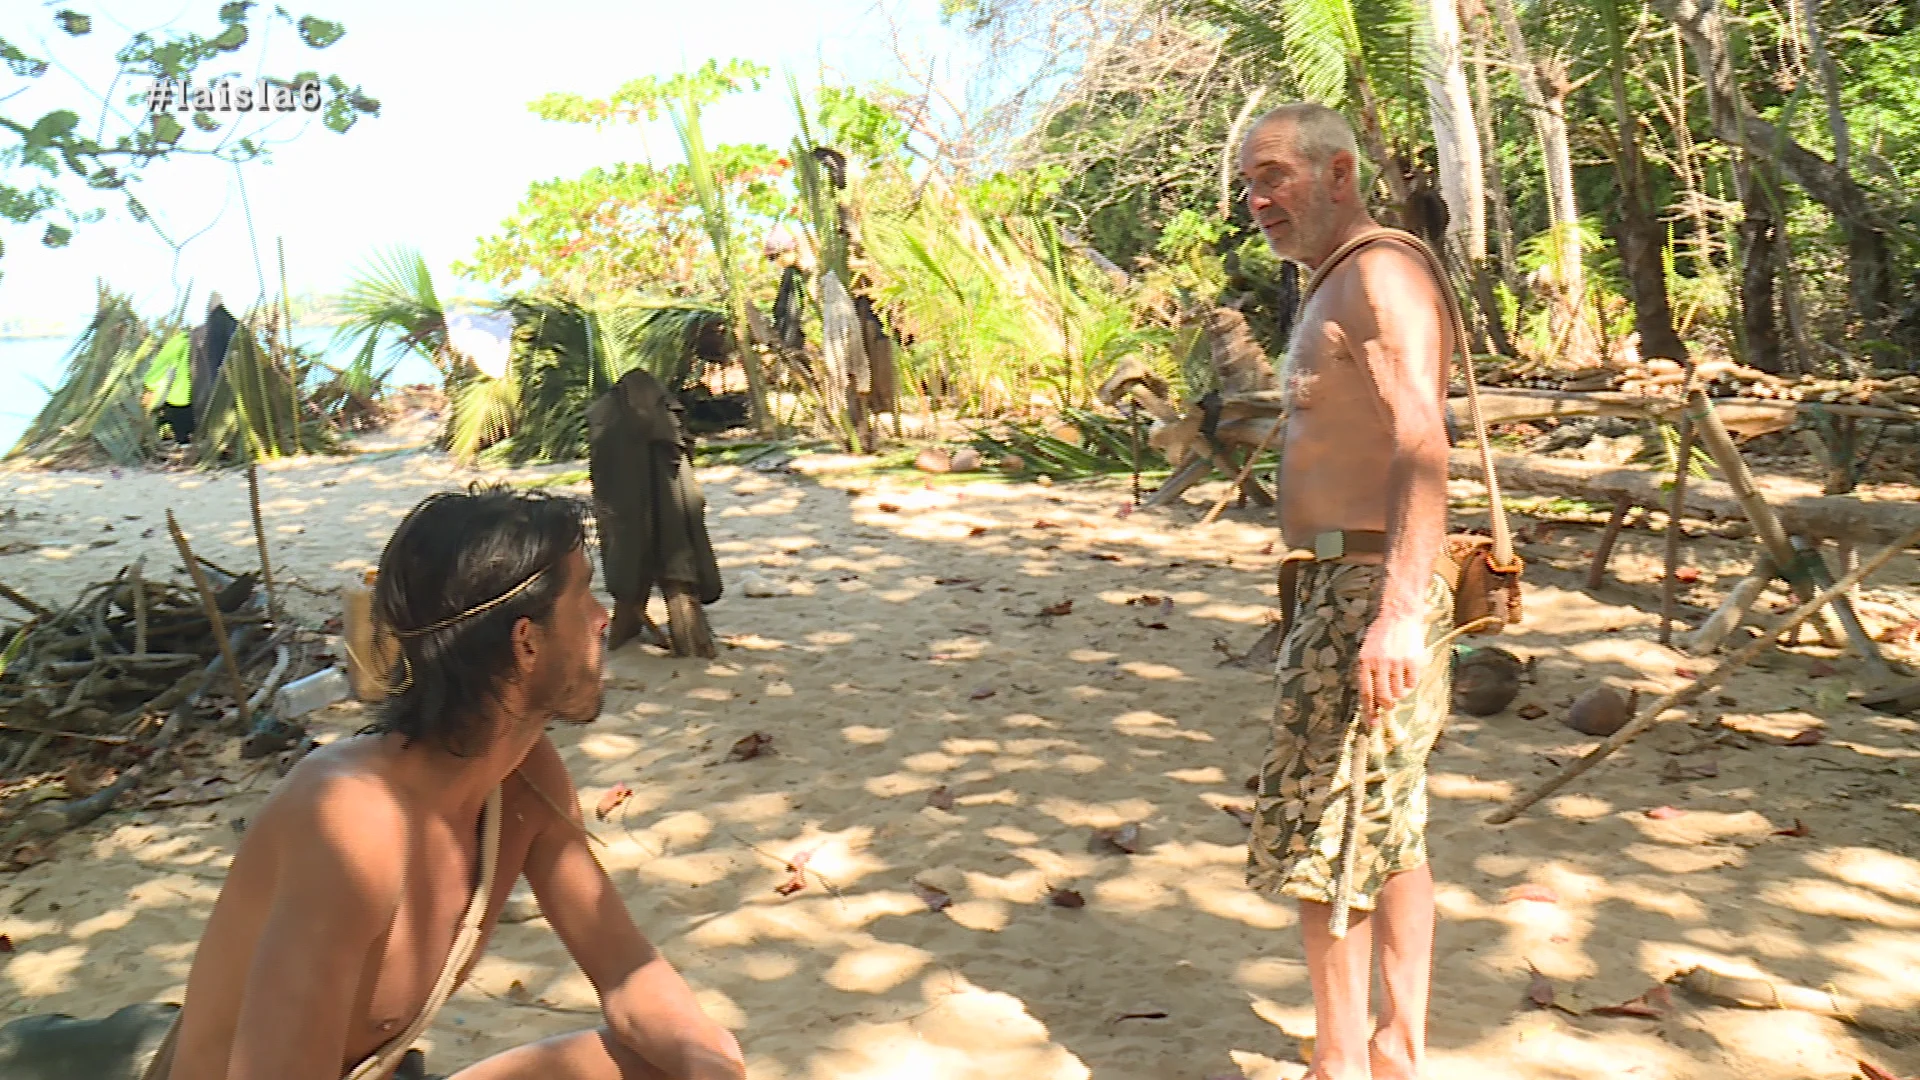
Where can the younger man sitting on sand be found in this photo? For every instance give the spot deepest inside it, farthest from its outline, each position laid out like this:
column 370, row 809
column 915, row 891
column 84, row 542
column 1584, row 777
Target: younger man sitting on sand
column 351, row 911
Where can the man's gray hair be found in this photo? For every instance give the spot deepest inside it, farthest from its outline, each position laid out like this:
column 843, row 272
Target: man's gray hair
column 1319, row 132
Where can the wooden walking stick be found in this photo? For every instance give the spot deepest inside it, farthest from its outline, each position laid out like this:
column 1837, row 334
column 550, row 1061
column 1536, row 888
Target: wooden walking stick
column 1704, row 683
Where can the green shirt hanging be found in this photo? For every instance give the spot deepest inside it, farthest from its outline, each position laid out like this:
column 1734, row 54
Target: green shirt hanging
column 169, row 375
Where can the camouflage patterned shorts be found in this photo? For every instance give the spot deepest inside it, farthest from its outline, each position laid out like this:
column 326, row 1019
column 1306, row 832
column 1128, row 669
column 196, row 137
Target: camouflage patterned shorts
column 1301, row 810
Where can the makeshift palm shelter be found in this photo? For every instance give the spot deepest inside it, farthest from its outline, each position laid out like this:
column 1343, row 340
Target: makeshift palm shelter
column 97, row 415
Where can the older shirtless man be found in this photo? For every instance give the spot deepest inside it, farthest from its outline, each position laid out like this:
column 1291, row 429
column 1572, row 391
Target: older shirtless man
column 366, row 887
column 1363, row 489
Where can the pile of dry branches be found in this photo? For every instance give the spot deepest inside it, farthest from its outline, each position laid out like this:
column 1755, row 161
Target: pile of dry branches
column 94, row 695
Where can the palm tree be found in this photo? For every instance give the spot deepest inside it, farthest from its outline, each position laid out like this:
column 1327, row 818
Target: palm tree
column 393, row 297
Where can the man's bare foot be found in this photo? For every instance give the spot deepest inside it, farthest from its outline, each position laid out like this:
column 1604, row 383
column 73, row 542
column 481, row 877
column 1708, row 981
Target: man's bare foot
column 1389, row 1062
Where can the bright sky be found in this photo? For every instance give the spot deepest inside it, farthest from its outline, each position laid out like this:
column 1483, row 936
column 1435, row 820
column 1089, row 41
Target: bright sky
column 451, row 153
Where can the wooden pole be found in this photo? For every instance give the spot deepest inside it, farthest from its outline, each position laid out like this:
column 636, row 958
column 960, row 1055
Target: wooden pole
column 1731, row 612
column 1676, row 503
column 1719, row 446
column 1702, row 684
column 212, row 610
column 260, row 540
column 1603, row 554
column 1245, row 471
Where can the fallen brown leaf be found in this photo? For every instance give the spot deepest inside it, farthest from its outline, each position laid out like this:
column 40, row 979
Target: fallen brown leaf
column 977, row 530
column 1066, row 898
column 1686, row 575
column 1144, row 1014
column 1530, row 711
column 1122, row 840
column 1652, row 1005
column 888, row 508
column 1064, row 607
column 751, row 746
column 1539, row 894
column 6, row 945
column 1044, row 524
column 1253, row 783
column 1820, row 669
column 1870, row 1071
column 1675, row 772
column 1539, row 990
column 940, row 798
column 1241, row 814
column 614, row 799
column 1103, row 556
column 1727, row 699
column 982, row 693
column 1145, row 600
column 25, row 855
column 1809, row 737
column 935, row 899
column 1907, row 633
column 1664, row 813
column 1799, row 829
column 797, row 871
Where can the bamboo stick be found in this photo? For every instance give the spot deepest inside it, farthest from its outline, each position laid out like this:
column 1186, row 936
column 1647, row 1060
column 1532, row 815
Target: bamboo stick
column 260, row 540
column 1703, row 683
column 1246, row 470
column 212, row 609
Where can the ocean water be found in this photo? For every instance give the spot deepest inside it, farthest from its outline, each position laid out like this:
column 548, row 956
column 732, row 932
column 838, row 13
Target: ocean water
column 31, row 367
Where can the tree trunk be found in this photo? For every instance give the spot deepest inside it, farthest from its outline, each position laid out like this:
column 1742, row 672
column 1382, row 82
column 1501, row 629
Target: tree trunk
column 1734, row 122
column 1545, row 92
column 1638, row 233
column 1372, row 137
column 1496, row 186
column 1456, row 137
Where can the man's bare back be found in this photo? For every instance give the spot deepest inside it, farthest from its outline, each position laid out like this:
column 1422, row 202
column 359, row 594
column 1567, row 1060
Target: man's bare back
column 427, row 862
column 348, row 895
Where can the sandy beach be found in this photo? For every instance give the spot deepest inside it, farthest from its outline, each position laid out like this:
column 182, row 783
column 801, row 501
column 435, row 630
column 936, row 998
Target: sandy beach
column 934, row 726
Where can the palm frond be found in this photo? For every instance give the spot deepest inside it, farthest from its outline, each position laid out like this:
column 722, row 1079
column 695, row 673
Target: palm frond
column 392, row 300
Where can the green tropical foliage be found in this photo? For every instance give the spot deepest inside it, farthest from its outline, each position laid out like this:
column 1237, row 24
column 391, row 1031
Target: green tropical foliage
column 61, row 165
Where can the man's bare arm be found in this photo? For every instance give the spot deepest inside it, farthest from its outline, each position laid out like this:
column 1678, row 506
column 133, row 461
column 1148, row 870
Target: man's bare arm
column 335, row 891
column 1390, row 311
column 648, row 1007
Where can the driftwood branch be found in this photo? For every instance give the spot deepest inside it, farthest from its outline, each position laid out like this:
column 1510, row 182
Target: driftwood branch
column 1801, row 507
column 211, row 608
column 1704, row 683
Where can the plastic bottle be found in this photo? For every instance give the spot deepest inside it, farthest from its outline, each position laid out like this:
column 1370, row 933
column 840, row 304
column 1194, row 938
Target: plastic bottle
column 316, row 691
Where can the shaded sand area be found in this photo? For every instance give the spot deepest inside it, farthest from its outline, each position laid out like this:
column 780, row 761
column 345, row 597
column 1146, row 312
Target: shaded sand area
column 913, row 654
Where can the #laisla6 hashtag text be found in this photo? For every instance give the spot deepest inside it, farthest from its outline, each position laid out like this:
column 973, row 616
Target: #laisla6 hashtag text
column 262, row 95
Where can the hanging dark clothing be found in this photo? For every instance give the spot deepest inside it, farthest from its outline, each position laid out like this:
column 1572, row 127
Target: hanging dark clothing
column 207, row 353
column 652, row 516
column 786, row 309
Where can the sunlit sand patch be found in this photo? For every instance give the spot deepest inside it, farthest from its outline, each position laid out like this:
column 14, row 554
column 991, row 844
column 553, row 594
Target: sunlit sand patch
column 1894, row 876
column 1838, row 901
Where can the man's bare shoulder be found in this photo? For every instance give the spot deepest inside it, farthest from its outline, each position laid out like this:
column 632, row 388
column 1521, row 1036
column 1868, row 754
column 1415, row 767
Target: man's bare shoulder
column 1387, row 273
column 336, row 806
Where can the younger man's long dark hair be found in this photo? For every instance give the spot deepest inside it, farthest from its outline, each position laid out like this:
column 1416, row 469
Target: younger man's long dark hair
column 452, row 554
